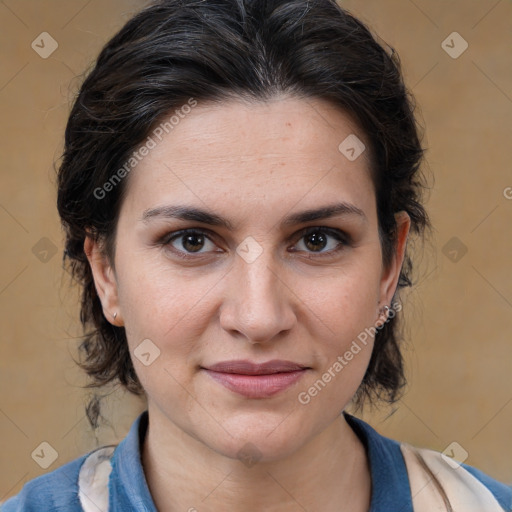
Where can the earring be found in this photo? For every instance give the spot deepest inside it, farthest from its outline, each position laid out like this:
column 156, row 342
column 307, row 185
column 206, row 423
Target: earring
column 383, row 310
column 115, row 315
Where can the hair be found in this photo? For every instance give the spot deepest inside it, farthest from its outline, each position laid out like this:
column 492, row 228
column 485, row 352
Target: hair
column 173, row 51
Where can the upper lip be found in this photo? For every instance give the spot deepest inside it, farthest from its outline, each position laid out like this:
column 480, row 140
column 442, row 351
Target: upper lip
column 245, row 367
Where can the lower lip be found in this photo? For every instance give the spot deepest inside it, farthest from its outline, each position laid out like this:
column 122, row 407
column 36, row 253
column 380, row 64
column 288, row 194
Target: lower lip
column 256, row 386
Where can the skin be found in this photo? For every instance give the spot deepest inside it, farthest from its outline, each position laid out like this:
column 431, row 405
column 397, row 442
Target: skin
column 253, row 164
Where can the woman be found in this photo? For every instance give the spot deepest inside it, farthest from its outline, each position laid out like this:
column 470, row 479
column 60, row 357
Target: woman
column 238, row 185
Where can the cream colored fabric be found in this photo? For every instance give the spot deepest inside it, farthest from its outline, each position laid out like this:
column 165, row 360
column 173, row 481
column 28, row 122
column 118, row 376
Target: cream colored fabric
column 465, row 493
column 93, row 480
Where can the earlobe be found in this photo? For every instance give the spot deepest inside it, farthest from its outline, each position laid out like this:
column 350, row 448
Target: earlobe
column 104, row 280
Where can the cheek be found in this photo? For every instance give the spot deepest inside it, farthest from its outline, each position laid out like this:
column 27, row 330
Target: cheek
column 345, row 302
column 166, row 305
column 343, row 348
column 343, row 311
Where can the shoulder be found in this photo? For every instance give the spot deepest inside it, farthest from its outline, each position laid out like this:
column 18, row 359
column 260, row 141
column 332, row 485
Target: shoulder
column 56, row 491
column 502, row 491
column 437, row 478
column 424, row 480
column 65, row 488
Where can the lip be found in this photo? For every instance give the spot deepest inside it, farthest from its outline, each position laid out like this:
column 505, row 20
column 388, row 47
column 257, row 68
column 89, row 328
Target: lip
column 245, row 367
column 256, row 380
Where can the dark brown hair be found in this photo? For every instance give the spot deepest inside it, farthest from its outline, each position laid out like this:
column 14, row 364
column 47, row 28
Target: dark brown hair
column 217, row 50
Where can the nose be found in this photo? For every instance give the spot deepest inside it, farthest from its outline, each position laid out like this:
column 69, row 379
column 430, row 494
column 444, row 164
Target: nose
column 259, row 304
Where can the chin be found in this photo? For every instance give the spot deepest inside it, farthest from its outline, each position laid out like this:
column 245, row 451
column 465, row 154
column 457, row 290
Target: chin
column 260, row 437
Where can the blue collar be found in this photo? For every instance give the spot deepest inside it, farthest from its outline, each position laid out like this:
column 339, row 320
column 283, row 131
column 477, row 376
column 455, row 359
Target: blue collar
column 390, row 481
column 128, row 487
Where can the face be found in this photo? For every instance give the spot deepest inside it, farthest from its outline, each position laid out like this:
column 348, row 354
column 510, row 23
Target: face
column 252, row 278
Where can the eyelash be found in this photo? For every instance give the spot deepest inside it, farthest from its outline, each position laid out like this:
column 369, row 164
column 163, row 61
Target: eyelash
column 342, row 237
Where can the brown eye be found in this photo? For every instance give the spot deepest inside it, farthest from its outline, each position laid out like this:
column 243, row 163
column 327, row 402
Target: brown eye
column 192, row 243
column 316, row 241
column 189, row 241
column 323, row 240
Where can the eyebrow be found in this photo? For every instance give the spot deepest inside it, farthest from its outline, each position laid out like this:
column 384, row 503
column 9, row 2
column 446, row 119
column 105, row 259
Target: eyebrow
column 208, row 217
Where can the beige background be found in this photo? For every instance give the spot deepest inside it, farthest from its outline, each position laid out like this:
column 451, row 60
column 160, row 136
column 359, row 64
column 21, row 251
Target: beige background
column 459, row 315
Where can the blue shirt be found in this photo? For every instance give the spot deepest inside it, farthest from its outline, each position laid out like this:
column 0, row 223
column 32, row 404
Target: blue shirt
column 57, row 491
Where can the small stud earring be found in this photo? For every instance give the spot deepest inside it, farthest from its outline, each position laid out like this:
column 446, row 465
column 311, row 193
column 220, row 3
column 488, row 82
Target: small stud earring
column 384, row 310
column 115, row 315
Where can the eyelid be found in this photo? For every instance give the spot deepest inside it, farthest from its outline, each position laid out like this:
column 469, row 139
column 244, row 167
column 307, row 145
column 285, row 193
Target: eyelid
column 342, row 236
column 167, row 238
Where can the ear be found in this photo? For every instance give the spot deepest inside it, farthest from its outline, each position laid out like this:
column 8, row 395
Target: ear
column 104, row 280
column 390, row 275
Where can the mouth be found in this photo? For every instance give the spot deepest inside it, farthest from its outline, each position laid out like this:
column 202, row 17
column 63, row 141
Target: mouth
column 256, row 380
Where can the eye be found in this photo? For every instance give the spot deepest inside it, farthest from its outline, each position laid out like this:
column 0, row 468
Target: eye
column 318, row 241
column 322, row 240
column 188, row 241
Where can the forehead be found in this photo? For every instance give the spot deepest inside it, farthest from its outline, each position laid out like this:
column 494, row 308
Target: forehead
column 236, row 153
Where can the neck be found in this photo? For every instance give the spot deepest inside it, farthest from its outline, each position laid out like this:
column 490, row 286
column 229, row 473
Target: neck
column 328, row 473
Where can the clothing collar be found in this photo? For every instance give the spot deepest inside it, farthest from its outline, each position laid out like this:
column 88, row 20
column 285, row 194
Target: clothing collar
column 390, row 481
column 128, row 488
